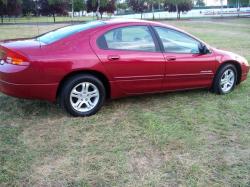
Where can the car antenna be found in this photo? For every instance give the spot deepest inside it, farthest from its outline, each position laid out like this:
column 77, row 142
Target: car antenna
column 38, row 32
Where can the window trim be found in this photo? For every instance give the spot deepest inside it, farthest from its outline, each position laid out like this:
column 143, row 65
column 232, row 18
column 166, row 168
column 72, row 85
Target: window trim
column 161, row 43
column 151, row 31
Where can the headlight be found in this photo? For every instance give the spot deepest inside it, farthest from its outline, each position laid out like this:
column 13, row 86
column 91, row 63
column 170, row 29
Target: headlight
column 242, row 60
column 245, row 61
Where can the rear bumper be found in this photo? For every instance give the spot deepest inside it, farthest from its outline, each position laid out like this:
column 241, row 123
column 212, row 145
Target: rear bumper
column 25, row 82
column 30, row 91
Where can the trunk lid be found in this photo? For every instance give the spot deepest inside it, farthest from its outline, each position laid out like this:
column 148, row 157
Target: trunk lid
column 27, row 47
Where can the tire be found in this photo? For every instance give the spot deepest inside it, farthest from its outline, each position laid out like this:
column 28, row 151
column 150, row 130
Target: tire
column 225, row 79
column 82, row 95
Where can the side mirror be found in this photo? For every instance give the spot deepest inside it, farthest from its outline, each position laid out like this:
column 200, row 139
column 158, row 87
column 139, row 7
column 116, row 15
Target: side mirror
column 203, row 49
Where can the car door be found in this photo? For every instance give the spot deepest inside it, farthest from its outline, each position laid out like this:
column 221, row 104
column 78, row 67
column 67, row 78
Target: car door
column 131, row 55
column 186, row 67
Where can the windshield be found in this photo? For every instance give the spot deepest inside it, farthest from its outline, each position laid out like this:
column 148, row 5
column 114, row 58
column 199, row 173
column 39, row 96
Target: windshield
column 64, row 32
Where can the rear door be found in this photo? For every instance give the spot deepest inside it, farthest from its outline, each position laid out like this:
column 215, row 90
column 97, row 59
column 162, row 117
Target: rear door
column 132, row 56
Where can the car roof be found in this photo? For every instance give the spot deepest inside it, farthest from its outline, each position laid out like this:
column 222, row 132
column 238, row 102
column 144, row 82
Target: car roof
column 127, row 20
column 117, row 21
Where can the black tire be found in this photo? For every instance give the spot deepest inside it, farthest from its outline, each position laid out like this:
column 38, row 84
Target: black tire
column 70, row 84
column 217, row 80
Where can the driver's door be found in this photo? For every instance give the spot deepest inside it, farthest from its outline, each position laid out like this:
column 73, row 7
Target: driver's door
column 185, row 66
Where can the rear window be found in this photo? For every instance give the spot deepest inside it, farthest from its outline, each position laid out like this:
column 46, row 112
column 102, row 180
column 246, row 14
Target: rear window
column 64, row 32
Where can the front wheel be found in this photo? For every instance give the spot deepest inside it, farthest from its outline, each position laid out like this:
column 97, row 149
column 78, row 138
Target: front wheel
column 225, row 79
column 82, row 95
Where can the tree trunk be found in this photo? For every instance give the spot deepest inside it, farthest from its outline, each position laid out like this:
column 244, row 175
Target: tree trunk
column 2, row 19
column 54, row 17
column 141, row 15
column 221, row 8
column 98, row 9
column 153, row 11
column 72, row 9
column 177, row 11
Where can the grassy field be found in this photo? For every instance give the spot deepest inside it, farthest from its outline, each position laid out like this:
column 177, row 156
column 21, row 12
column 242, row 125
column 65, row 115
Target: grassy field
column 191, row 138
column 47, row 19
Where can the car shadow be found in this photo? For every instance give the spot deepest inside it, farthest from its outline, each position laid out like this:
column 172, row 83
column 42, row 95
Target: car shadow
column 21, row 108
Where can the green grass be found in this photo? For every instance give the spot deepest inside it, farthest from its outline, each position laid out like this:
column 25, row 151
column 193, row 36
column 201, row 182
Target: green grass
column 191, row 138
column 47, row 19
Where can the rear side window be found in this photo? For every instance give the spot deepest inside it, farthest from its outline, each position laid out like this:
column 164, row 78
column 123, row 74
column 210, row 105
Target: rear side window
column 64, row 32
column 136, row 38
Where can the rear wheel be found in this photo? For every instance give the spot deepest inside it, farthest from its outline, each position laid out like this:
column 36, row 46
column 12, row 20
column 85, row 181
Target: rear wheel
column 225, row 79
column 82, row 95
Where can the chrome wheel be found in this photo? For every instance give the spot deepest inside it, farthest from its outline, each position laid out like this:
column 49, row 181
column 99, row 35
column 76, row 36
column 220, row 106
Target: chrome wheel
column 84, row 97
column 227, row 80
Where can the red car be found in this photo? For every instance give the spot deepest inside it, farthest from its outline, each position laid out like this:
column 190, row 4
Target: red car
column 82, row 65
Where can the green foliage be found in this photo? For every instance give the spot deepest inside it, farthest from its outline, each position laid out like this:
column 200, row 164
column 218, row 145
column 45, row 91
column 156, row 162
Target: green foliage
column 200, row 3
column 28, row 7
column 138, row 6
column 101, row 6
column 54, row 2
column 3, row 2
column 242, row 3
column 79, row 5
column 122, row 6
column 178, row 6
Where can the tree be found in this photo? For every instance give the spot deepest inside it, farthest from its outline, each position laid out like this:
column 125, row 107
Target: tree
column 54, row 7
column 138, row 6
column 43, row 7
column 100, row 6
column 178, row 6
column 3, row 9
column 109, row 7
column 200, row 3
column 14, row 7
column 122, row 6
column 79, row 5
column 28, row 7
column 238, row 3
column 154, row 4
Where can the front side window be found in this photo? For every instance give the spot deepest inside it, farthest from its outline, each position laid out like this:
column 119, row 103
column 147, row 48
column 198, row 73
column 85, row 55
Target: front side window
column 136, row 38
column 177, row 42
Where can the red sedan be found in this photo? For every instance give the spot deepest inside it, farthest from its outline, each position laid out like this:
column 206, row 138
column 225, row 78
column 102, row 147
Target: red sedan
column 82, row 65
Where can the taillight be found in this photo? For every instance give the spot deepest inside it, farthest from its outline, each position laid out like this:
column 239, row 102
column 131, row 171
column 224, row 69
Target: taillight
column 11, row 57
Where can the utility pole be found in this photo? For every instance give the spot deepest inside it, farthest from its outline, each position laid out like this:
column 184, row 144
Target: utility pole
column 221, row 9
column 238, row 8
column 72, row 6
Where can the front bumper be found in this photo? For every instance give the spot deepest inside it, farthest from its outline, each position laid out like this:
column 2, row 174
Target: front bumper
column 245, row 72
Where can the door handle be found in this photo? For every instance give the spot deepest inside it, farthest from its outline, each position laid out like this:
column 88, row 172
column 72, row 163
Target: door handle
column 113, row 57
column 171, row 58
